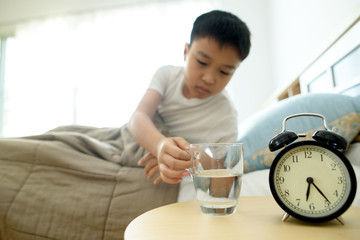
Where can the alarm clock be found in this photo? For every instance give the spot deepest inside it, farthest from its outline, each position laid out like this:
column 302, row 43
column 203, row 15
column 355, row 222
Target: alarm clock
column 311, row 180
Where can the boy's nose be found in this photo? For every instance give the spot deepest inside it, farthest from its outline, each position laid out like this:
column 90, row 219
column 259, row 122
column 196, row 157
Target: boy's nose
column 208, row 78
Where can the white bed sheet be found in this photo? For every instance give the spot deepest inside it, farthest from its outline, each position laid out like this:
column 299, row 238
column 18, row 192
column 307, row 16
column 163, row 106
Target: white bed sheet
column 257, row 183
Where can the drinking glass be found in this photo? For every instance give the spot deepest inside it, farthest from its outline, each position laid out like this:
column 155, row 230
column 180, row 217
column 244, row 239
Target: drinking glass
column 217, row 169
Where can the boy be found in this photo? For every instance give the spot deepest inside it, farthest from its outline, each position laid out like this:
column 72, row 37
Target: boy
column 191, row 100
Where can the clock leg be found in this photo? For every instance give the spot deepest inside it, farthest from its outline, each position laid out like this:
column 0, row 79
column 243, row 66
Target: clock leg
column 340, row 220
column 285, row 216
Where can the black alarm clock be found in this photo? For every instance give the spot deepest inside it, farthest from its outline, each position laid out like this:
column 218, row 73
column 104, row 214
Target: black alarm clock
column 311, row 180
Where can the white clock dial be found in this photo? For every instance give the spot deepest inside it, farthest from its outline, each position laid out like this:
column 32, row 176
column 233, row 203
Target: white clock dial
column 311, row 181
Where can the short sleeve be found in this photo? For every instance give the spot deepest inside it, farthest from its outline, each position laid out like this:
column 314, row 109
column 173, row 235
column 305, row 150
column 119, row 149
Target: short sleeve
column 158, row 81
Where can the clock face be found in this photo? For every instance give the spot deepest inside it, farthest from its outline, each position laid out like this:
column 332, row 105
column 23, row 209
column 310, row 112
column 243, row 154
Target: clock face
column 311, row 181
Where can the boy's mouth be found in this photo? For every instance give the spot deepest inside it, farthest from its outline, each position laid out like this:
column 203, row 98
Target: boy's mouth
column 202, row 90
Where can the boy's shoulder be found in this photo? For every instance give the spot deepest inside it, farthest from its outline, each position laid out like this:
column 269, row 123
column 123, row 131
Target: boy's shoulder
column 167, row 77
column 169, row 72
column 171, row 69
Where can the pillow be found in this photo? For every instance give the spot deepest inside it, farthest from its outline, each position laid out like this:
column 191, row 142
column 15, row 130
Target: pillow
column 341, row 112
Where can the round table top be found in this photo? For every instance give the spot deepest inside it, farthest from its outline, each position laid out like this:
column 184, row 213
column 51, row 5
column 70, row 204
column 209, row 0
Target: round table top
column 255, row 218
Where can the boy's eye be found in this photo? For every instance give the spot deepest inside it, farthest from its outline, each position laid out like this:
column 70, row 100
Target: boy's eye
column 201, row 62
column 224, row 73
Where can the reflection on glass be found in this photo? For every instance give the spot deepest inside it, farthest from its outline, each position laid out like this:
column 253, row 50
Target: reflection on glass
column 322, row 83
column 347, row 68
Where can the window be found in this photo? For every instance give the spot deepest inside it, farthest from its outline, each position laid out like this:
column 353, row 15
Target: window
column 322, row 83
column 92, row 68
column 348, row 68
column 337, row 69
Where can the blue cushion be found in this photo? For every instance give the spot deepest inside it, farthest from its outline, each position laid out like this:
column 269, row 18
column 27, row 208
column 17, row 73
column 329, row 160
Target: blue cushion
column 342, row 114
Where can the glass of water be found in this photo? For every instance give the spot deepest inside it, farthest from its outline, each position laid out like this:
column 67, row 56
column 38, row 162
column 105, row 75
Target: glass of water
column 217, row 169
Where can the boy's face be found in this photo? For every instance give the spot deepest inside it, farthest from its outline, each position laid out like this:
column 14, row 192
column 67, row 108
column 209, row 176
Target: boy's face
column 209, row 68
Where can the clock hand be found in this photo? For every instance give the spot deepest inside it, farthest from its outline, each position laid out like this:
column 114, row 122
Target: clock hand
column 309, row 180
column 320, row 192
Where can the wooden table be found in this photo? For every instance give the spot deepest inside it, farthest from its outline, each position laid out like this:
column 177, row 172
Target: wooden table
column 255, row 218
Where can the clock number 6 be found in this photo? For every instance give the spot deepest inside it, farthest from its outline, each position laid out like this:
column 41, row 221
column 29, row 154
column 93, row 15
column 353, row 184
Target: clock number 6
column 312, row 206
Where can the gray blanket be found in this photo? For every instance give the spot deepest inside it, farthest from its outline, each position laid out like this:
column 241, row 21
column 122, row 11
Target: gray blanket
column 75, row 182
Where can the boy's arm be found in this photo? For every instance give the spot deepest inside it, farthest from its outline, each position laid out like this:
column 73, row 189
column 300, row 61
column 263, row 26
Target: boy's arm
column 141, row 125
column 168, row 151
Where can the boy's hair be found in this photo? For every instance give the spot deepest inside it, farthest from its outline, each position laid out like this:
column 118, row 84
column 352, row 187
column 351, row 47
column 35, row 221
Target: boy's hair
column 225, row 28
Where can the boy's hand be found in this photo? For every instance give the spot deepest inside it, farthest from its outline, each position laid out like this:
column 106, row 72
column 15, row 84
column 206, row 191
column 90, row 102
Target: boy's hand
column 173, row 159
column 151, row 168
column 171, row 163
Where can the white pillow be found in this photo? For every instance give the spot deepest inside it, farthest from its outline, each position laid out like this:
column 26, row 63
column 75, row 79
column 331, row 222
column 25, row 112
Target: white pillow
column 353, row 154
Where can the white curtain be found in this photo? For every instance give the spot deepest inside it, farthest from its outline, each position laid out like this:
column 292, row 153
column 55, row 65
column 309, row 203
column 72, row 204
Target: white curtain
column 90, row 69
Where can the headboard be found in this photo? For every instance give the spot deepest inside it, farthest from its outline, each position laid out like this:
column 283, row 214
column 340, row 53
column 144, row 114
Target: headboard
column 335, row 70
column 338, row 68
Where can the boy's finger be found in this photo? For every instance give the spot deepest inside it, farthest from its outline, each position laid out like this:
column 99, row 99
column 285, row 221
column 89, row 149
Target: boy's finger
column 176, row 164
column 182, row 143
column 150, row 165
column 171, row 176
column 144, row 159
column 177, row 153
column 153, row 171
column 170, row 180
column 157, row 180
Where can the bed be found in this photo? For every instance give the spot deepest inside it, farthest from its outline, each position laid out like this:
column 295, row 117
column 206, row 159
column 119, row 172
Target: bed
column 77, row 182
column 342, row 113
column 329, row 85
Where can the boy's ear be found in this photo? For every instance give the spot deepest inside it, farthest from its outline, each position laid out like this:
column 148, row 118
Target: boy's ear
column 186, row 50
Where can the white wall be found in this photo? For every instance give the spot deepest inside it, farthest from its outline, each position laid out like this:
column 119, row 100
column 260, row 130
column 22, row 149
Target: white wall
column 300, row 28
column 285, row 34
